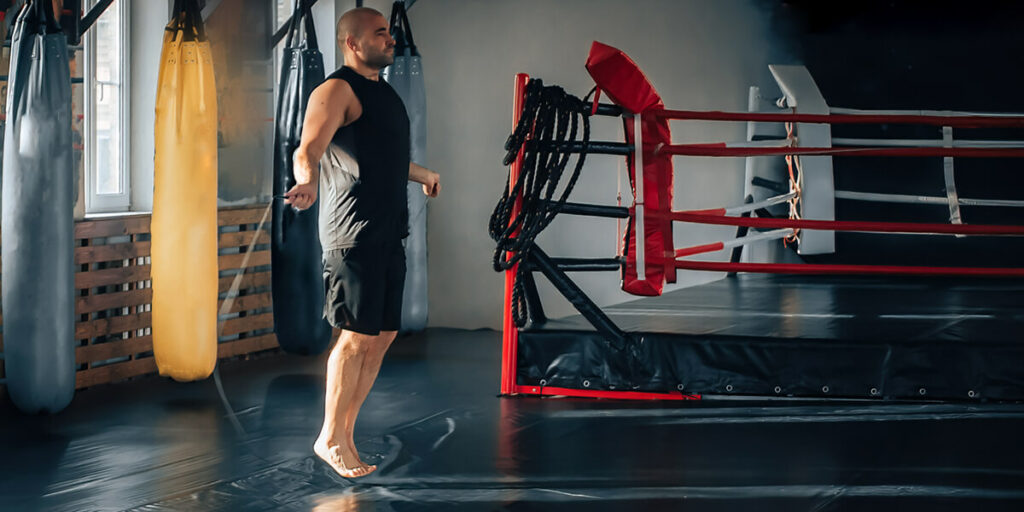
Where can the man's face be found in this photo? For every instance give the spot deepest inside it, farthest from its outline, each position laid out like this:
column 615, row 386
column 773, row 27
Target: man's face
column 376, row 46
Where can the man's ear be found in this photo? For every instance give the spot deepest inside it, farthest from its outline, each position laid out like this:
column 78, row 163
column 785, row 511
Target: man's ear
column 351, row 43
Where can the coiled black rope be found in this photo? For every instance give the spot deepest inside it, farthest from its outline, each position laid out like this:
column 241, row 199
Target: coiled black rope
column 550, row 120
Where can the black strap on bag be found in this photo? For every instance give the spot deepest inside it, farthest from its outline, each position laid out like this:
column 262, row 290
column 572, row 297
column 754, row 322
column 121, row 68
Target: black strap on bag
column 407, row 29
column 395, row 26
column 188, row 18
column 292, row 21
column 401, row 31
column 302, row 12
column 311, row 42
column 42, row 11
column 194, row 18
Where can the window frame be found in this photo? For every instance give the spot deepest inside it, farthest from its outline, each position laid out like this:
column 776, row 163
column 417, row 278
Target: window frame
column 119, row 202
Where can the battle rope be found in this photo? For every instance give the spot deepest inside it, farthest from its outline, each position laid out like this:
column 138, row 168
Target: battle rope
column 548, row 125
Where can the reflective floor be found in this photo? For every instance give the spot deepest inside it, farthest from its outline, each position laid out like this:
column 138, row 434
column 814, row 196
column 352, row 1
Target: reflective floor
column 444, row 441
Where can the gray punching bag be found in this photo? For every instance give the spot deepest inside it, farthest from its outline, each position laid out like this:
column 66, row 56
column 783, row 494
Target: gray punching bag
column 37, row 217
column 406, row 78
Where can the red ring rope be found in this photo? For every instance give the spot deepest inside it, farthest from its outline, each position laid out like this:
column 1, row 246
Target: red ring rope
column 953, row 121
column 721, row 149
column 839, row 225
column 818, row 269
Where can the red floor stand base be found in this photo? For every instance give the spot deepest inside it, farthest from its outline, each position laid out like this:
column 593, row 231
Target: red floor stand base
column 612, row 395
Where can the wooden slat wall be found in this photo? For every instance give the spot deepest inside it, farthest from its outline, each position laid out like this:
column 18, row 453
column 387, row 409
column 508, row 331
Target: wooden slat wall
column 114, row 294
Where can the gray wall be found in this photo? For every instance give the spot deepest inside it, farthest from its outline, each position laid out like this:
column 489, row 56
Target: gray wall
column 699, row 55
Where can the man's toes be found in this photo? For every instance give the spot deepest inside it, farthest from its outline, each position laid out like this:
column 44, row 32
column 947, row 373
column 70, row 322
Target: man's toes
column 359, row 471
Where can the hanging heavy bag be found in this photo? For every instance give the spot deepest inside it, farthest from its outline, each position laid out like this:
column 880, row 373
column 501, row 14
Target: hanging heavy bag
column 297, row 285
column 184, row 225
column 406, row 78
column 38, row 221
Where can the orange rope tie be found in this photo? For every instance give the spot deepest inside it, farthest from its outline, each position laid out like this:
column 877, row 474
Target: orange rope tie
column 794, row 185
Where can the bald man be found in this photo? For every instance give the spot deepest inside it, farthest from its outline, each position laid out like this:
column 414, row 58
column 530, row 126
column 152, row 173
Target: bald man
column 357, row 128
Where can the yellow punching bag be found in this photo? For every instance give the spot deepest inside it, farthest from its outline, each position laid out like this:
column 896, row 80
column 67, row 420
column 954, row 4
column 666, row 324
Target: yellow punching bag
column 184, row 226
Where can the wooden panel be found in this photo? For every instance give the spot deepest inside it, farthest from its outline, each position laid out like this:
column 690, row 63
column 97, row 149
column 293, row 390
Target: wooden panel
column 112, row 349
column 114, row 372
column 242, row 239
column 109, row 276
column 253, row 280
column 118, row 348
column 247, row 324
column 233, row 261
column 112, row 252
column 114, row 325
column 115, row 300
column 246, row 345
column 127, row 225
column 245, row 215
column 248, row 302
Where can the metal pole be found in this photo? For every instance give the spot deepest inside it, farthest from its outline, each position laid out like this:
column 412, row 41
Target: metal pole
column 510, row 333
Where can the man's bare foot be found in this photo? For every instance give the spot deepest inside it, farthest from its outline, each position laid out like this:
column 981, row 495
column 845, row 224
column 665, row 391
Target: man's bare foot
column 343, row 462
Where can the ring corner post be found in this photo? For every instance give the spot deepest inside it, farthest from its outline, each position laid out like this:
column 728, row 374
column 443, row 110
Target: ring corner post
column 510, row 333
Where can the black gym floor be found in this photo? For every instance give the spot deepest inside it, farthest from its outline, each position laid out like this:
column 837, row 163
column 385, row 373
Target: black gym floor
column 444, row 441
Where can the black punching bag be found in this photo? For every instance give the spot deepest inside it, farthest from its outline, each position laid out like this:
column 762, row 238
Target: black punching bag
column 296, row 268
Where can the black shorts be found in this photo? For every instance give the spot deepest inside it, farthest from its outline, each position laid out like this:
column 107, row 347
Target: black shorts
column 363, row 286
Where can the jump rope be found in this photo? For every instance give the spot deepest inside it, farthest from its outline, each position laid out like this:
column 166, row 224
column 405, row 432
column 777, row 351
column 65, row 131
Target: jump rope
column 225, row 307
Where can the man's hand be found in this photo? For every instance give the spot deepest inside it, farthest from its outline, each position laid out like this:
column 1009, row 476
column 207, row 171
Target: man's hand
column 301, row 196
column 432, row 184
column 430, row 180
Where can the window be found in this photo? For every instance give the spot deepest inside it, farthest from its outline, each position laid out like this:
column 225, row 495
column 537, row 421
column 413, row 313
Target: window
column 282, row 13
column 106, row 111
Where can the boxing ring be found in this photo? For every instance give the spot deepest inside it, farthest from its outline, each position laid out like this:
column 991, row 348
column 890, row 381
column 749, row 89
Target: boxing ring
column 780, row 328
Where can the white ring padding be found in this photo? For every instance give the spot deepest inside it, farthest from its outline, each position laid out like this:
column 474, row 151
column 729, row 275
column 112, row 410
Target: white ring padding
column 928, row 143
column 911, row 199
column 749, row 207
column 638, row 201
column 759, row 237
column 949, row 175
column 937, row 113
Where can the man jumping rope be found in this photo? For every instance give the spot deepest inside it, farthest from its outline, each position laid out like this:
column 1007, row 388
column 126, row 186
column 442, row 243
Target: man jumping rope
column 357, row 128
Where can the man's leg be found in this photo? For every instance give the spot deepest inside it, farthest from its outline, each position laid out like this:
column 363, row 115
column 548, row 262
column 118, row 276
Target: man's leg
column 367, row 375
column 394, row 284
column 334, row 445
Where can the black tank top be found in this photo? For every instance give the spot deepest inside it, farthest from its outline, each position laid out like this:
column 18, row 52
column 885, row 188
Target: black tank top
column 365, row 170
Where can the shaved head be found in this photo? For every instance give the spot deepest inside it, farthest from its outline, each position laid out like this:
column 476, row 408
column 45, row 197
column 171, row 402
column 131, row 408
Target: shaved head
column 364, row 40
column 352, row 22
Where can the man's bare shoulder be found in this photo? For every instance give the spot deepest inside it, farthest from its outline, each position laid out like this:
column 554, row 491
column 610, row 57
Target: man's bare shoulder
column 336, row 95
column 333, row 90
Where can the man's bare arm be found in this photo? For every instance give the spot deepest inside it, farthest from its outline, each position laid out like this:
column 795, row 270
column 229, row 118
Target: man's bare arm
column 329, row 108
